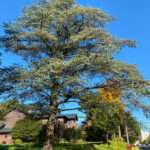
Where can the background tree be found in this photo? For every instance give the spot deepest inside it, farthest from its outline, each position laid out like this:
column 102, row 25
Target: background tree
column 105, row 126
column 108, row 115
column 66, row 46
column 134, row 128
column 27, row 130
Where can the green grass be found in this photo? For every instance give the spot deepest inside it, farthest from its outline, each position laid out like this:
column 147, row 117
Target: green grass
column 19, row 147
column 57, row 147
column 74, row 147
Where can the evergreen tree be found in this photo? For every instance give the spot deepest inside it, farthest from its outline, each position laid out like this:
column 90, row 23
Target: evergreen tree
column 66, row 46
column 8, row 79
column 27, row 130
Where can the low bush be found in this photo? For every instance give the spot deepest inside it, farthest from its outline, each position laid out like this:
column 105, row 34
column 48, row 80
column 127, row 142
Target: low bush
column 74, row 134
column 115, row 144
column 27, row 130
column 18, row 141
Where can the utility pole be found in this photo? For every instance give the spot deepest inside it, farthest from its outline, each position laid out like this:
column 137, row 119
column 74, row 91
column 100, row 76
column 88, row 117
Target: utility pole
column 119, row 132
column 127, row 134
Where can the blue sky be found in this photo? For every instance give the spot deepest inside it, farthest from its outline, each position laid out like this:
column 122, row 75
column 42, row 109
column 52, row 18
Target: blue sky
column 132, row 22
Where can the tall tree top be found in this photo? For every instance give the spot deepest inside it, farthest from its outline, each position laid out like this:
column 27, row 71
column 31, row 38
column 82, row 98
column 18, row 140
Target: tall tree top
column 62, row 29
column 67, row 45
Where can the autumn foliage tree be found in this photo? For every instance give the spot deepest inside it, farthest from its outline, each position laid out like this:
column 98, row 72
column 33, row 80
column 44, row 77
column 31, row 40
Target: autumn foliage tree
column 111, row 93
column 66, row 46
column 108, row 116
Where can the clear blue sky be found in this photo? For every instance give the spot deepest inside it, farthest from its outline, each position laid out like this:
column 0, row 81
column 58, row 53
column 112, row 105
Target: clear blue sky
column 132, row 22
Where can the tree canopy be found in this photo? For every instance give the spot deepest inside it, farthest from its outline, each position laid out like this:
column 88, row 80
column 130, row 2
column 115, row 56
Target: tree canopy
column 66, row 45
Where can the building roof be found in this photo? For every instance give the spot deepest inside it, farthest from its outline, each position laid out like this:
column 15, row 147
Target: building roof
column 68, row 116
column 38, row 115
column 2, row 124
column 15, row 109
column 5, row 130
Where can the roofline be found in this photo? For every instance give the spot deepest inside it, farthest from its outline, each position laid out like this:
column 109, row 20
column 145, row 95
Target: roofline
column 13, row 110
column 58, row 116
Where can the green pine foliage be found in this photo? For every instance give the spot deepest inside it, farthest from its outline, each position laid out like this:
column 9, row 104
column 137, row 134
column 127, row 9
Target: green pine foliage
column 65, row 46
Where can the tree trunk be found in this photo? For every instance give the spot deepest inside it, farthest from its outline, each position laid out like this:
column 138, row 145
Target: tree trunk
column 51, row 124
column 49, row 140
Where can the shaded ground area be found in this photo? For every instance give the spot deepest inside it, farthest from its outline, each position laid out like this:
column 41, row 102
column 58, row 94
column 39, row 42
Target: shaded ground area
column 145, row 148
column 57, row 147
column 19, row 147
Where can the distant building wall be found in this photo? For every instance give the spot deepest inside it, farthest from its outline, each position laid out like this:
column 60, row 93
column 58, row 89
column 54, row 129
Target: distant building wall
column 12, row 117
column 144, row 135
column 70, row 124
column 63, row 123
column 5, row 139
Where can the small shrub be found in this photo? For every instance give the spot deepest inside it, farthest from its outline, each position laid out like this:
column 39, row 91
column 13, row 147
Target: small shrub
column 27, row 130
column 11, row 148
column 18, row 141
column 115, row 144
column 101, row 147
column 74, row 134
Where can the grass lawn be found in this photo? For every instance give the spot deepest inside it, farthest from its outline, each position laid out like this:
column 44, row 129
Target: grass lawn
column 19, row 147
column 57, row 147
column 74, row 147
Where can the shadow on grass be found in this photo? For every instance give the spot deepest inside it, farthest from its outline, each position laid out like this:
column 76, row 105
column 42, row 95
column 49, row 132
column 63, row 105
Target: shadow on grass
column 57, row 147
column 74, row 147
column 19, row 147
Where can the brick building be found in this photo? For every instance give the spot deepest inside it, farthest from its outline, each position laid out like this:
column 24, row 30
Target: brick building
column 5, row 134
column 69, row 121
column 10, row 119
column 15, row 115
